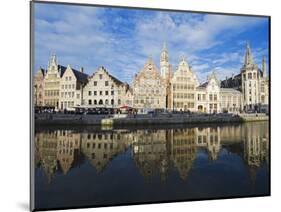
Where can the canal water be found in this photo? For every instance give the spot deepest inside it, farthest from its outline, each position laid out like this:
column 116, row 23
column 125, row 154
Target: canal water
column 87, row 166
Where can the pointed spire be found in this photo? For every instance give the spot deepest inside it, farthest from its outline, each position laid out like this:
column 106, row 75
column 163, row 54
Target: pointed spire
column 248, row 56
column 164, row 53
column 263, row 67
column 164, row 46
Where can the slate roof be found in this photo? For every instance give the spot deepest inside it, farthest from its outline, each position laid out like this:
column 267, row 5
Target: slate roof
column 43, row 71
column 117, row 81
column 232, row 82
column 204, row 85
column 128, row 88
column 61, row 69
column 80, row 76
column 261, row 73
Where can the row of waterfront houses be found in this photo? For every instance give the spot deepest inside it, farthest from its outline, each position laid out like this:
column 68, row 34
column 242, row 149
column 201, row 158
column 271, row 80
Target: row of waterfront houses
column 179, row 90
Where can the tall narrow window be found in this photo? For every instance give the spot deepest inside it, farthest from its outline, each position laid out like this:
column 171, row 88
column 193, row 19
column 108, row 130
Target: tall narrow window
column 215, row 97
column 249, row 75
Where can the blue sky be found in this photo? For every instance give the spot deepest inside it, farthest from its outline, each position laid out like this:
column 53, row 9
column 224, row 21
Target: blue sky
column 121, row 40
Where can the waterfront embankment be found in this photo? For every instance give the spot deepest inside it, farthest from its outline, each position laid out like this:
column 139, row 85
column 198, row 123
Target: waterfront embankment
column 149, row 119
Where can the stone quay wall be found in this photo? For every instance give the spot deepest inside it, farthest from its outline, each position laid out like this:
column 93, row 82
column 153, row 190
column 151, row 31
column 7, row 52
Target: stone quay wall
column 160, row 119
column 254, row 117
column 68, row 119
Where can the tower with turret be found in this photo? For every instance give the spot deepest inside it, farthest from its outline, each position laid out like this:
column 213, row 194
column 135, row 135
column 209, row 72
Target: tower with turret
column 166, row 73
column 250, row 75
column 164, row 62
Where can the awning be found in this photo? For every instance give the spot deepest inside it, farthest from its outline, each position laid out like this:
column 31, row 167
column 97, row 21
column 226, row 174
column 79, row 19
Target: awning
column 125, row 107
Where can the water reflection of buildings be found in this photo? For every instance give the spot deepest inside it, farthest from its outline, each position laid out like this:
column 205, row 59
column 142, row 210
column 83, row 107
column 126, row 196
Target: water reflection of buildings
column 68, row 149
column 209, row 138
column 154, row 151
column 101, row 148
column 46, row 147
column 255, row 145
column 150, row 152
column 183, row 145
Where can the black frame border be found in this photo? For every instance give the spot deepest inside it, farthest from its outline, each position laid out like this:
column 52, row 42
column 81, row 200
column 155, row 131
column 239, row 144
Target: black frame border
column 31, row 121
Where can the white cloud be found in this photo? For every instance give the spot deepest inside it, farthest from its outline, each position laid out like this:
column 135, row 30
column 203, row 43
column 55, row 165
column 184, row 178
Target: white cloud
column 191, row 34
column 80, row 37
column 228, row 57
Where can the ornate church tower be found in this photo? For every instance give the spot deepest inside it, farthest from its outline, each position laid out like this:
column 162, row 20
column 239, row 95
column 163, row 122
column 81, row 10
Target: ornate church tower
column 250, row 81
column 166, row 74
column 164, row 62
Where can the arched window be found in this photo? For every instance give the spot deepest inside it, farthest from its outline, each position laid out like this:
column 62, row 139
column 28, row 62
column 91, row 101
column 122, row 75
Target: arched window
column 95, row 102
column 100, row 102
column 112, row 101
column 106, row 101
column 249, row 75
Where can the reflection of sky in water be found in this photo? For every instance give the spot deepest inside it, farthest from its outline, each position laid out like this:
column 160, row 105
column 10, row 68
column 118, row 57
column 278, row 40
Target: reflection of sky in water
column 80, row 167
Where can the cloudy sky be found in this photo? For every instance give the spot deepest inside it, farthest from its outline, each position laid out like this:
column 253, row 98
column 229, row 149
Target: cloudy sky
column 123, row 39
